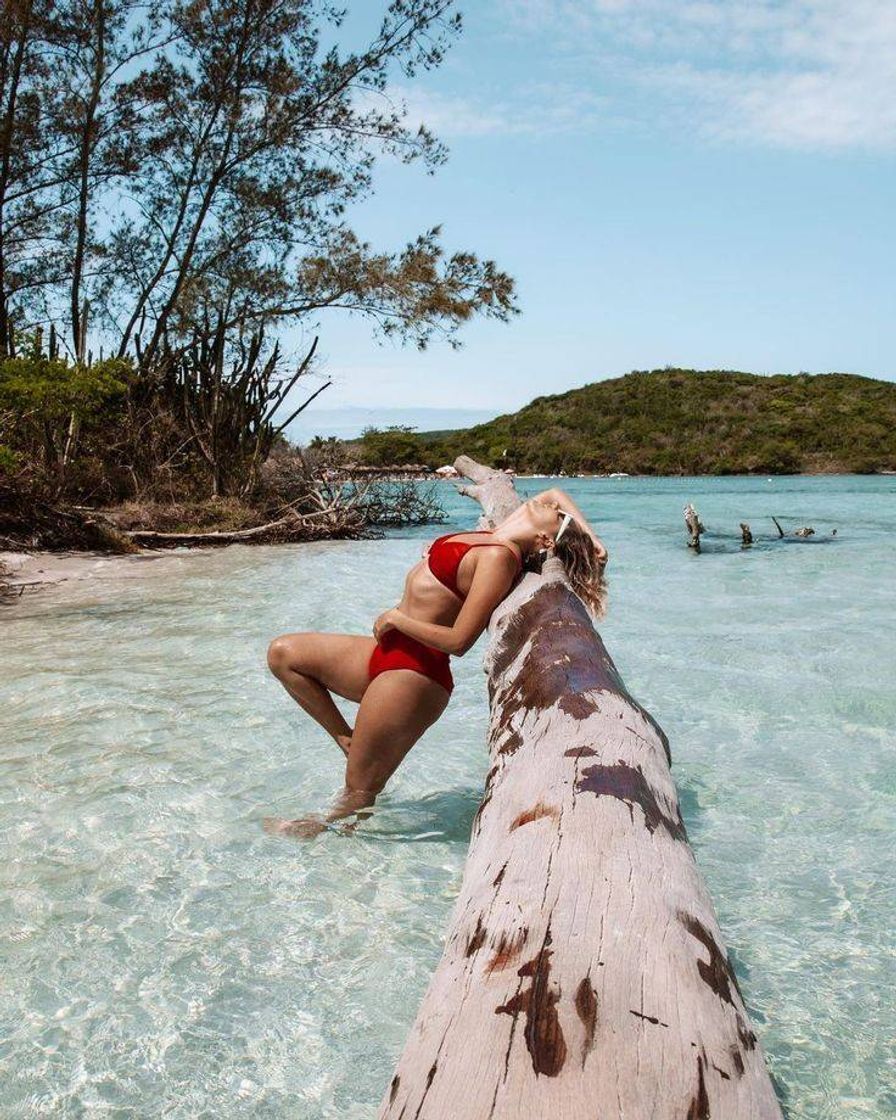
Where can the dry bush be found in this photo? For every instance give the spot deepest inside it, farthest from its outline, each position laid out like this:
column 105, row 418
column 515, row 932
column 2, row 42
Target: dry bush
column 220, row 514
column 285, row 478
column 400, row 502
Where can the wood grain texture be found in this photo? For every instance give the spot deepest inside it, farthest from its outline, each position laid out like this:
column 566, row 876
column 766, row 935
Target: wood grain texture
column 493, row 490
column 584, row 973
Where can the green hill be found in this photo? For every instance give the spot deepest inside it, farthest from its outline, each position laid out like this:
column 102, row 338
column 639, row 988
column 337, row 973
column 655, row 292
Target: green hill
column 676, row 421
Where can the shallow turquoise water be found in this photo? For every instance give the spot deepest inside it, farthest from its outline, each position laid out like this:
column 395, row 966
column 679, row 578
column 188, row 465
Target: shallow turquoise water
column 164, row 957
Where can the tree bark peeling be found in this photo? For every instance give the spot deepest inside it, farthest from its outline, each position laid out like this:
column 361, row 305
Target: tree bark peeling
column 584, row 971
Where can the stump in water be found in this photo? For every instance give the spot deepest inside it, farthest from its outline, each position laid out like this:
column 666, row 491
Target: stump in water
column 694, row 527
column 584, row 973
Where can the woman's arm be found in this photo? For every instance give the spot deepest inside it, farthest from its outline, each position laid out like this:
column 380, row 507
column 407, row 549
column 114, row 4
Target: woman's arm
column 492, row 579
column 555, row 494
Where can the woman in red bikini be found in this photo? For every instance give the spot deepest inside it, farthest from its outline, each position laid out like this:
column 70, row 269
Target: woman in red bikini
column 401, row 676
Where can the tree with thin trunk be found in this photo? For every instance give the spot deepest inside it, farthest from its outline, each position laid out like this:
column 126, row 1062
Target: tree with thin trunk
column 28, row 157
column 96, row 109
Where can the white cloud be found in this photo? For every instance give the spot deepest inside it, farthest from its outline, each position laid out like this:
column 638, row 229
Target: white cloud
column 794, row 73
column 535, row 109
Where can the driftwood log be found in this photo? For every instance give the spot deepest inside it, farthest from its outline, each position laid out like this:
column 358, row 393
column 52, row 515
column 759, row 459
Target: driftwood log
column 584, row 973
column 494, row 490
column 291, row 527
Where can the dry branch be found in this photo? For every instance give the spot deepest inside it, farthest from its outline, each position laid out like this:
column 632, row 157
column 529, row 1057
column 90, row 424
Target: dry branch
column 584, row 972
column 293, row 526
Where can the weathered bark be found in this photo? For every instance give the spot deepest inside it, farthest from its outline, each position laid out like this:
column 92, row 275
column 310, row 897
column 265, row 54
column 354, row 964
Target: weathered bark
column 584, row 973
column 492, row 489
column 694, row 527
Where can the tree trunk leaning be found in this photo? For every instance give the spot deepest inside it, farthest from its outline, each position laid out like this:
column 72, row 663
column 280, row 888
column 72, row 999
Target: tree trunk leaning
column 584, row 974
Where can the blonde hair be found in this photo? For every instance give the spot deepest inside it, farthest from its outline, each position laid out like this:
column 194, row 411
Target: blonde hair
column 579, row 556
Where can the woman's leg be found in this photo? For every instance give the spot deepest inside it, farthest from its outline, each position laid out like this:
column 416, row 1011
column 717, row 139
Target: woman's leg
column 311, row 666
column 398, row 706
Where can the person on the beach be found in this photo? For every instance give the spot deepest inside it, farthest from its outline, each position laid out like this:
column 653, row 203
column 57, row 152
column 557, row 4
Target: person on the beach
column 401, row 676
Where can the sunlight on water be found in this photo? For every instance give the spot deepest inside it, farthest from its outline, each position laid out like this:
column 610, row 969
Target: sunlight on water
column 163, row 956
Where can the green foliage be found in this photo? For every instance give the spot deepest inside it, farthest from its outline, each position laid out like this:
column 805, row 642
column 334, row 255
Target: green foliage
column 9, row 460
column 186, row 161
column 677, row 421
column 398, row 445
column 49, row 405
column 51, row 389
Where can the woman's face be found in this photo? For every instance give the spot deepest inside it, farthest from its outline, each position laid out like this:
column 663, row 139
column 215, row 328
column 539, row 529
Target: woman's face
column 546, row 516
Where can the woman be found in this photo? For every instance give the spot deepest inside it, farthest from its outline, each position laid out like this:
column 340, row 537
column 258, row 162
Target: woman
column 401, row 676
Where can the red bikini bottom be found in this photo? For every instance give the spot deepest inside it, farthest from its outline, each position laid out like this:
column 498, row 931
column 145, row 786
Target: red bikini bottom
column 397, row 651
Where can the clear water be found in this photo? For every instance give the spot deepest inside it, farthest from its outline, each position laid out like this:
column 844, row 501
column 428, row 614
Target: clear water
column 164, row 957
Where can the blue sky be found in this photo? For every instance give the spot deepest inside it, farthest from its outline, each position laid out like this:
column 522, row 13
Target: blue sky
column 706, row 184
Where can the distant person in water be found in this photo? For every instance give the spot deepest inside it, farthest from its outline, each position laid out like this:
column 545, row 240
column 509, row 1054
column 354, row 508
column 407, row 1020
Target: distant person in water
column 401, row 677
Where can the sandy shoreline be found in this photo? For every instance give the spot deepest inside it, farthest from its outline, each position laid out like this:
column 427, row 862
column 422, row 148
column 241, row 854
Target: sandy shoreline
column 32, row 570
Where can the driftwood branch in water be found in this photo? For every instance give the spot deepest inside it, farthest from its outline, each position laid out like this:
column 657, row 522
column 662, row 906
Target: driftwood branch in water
column 802, row 533
column 694, row 527
column 584, row 972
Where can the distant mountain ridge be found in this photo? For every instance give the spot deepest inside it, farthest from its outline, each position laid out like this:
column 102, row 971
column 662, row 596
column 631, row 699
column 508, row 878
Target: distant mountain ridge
column 349, row 421
column 681, row 421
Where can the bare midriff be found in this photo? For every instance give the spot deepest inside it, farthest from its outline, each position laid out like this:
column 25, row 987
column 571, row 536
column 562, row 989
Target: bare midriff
column 428, row 600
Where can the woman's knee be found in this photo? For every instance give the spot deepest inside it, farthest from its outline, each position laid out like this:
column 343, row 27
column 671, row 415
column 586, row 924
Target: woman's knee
column 284, row 653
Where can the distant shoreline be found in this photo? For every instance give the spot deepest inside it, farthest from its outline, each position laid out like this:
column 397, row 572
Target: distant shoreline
column 399, row 475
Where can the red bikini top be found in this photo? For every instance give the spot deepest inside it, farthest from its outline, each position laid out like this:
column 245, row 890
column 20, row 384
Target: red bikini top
column 446, row 553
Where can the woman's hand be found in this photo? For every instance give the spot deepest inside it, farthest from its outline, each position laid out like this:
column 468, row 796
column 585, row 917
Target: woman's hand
column 384, row 624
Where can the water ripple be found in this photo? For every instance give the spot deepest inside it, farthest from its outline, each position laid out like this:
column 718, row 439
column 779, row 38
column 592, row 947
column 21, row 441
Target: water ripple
column 170, row 959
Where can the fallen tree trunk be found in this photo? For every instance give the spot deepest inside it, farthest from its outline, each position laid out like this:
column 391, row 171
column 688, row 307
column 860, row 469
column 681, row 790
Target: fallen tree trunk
column 494, row 490
column 584, row 973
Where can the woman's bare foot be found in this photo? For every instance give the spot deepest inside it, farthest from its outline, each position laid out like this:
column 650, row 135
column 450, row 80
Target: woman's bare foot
column 344, row 742
column 306, row 828
column 355, row 803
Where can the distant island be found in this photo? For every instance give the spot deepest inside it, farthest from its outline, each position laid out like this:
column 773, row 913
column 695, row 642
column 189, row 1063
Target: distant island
column 676, row 422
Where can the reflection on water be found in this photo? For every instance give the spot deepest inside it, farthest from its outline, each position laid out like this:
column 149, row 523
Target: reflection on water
column 169, row 958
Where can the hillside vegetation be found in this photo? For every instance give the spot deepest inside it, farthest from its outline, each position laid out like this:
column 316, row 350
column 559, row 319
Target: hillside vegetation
column 677, row 421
